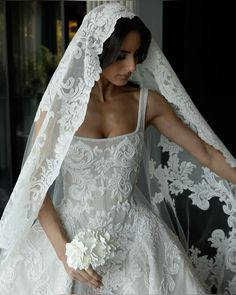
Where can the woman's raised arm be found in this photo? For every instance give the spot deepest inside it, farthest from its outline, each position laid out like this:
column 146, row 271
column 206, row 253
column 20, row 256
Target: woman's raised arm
column 161, row 115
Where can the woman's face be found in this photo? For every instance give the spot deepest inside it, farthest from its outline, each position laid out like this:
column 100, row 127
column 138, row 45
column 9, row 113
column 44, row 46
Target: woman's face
column 119, row 71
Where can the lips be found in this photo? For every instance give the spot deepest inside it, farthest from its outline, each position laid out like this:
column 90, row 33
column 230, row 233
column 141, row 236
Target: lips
column 124, row 76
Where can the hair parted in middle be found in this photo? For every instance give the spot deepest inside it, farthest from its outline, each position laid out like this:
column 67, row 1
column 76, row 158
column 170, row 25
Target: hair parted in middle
column 112, row 45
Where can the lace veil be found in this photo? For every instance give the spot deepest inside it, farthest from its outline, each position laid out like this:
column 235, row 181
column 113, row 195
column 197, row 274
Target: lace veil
column 197, row 204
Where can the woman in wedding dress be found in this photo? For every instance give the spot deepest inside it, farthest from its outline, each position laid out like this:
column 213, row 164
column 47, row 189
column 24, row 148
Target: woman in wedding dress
column 95, row 175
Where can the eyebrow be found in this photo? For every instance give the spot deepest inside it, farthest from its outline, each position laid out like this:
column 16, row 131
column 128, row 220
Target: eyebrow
column 125, row 51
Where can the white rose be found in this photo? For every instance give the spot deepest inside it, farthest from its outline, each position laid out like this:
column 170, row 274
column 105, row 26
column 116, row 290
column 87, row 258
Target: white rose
column 75, row 252
column 89, row 247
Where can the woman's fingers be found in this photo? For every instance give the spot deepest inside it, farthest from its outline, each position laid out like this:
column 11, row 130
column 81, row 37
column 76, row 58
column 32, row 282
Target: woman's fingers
column 89, row 276
column 90, row 282
column 94, row 274
column 85, row 279
column 94, row 278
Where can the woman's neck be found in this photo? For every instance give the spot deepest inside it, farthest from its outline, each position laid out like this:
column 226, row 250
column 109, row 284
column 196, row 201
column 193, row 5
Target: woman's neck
column 103, row 90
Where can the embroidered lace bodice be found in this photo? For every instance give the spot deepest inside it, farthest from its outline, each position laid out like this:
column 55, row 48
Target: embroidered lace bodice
column 100, row 175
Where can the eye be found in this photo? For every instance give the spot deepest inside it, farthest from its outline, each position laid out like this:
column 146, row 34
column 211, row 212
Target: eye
column 121, row 56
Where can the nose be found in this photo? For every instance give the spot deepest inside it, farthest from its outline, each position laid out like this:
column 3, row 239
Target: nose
column 131, row 64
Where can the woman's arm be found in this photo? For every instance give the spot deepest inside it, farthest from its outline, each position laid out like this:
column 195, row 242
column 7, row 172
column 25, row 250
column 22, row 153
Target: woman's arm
column 52, row 226
column 161, row 116
column 57, row 236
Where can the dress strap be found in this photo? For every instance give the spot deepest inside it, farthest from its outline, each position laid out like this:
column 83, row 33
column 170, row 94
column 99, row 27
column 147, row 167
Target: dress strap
column 142, row 108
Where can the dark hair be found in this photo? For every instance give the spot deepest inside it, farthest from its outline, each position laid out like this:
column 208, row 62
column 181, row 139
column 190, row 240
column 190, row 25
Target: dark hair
column 112, row 45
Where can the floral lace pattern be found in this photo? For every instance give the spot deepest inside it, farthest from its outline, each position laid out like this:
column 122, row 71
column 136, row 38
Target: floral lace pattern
column 174, row 179
column 62, row 109
column 99, row 182
column 96, row 178
column 65, row 100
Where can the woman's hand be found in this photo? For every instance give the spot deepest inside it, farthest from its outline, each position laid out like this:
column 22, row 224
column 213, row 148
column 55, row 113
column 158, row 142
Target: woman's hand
column 54, row 230
column 88, row 276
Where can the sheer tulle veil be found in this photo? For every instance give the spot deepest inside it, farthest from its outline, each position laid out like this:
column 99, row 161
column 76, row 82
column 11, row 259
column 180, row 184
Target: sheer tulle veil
column 195, row 203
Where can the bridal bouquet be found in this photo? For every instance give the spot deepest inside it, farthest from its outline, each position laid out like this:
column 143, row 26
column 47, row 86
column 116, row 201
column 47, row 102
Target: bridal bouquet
column 89, row 247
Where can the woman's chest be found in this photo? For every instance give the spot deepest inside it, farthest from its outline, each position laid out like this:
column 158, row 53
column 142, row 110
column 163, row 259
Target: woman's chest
column 110, row 119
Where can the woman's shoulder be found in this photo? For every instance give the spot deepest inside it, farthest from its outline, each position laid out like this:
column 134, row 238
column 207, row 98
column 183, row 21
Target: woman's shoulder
column 157, row 105
column 133, row 90
column 155, row 97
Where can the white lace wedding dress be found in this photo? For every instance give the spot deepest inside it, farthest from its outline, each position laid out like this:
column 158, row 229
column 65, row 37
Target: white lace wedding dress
column 99, row 178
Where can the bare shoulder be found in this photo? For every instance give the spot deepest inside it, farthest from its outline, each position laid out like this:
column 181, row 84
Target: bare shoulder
column 155, row 98
column 157, row 105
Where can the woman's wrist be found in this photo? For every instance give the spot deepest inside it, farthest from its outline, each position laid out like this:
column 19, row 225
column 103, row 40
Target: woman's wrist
column 53, row 227
column 61, row 255
column 59, row 241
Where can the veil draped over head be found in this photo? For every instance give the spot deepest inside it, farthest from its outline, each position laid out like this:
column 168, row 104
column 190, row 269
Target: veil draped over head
column 194, row 202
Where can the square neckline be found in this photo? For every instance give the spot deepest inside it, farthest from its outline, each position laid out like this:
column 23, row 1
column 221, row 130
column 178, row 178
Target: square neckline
column 121, row 135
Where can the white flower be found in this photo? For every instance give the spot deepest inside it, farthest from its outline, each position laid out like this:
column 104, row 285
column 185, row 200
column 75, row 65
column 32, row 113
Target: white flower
column 89, row 247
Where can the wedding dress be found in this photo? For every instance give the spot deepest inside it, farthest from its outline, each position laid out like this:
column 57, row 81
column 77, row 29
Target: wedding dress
column 172, row 192
column 99, row 181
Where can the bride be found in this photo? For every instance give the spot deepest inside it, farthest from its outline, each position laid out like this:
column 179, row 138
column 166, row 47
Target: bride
column 118, row 146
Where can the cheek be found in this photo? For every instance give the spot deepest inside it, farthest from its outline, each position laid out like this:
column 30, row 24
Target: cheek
column 110, row 72
column 114, row 69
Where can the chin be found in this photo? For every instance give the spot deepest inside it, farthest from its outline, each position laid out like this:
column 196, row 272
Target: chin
column 121, row 83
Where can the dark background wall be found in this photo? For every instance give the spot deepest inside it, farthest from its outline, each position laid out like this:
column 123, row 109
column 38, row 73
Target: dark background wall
column 198, row 39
